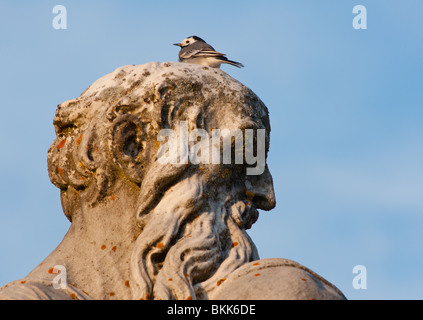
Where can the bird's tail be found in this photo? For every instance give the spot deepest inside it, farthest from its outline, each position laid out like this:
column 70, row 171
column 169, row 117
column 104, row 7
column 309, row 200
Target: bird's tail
column 235, row 63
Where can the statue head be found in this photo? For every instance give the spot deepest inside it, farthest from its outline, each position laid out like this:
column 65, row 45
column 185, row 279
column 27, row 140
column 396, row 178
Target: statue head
column 192, row 209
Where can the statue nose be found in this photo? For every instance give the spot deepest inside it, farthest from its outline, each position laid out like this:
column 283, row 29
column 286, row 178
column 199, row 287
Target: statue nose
column 261, row 189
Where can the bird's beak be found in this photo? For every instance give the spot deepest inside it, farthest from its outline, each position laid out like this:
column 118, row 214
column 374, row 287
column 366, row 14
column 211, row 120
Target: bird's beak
column 177, row 44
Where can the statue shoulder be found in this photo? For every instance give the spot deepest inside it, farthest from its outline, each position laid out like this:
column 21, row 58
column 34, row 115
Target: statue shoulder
column 275, row 279
column 39, row 290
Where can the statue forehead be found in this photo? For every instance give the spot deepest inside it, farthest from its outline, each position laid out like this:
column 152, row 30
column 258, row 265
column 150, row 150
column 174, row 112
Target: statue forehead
column 189, row 92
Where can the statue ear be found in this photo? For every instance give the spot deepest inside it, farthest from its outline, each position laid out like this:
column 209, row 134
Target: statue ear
column 128, row 146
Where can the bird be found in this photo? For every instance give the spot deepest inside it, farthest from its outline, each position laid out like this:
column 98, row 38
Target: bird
column 196, row 50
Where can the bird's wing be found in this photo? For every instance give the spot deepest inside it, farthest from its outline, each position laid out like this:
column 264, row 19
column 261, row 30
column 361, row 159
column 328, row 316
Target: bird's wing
column 197, row 53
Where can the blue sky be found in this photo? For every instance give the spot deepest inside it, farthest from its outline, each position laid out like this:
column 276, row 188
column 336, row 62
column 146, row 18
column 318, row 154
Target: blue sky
column 346, row 110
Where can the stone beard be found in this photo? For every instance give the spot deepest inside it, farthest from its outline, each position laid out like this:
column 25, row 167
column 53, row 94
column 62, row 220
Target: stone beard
column 204, row 241
column 147, row 229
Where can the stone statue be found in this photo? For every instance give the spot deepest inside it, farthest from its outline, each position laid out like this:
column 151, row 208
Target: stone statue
column 143, row 228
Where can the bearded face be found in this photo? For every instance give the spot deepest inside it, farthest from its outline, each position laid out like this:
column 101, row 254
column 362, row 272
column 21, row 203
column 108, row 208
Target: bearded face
column 192, row 214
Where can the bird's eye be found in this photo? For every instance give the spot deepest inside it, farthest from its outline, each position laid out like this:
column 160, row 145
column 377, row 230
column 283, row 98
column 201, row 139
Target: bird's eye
column 187, row 42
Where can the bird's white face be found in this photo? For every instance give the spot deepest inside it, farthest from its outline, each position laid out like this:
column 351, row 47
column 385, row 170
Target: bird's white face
column 187, row 42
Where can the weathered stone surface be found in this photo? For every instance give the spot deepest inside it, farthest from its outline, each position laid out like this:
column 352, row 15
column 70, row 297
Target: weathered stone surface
column 142, row 229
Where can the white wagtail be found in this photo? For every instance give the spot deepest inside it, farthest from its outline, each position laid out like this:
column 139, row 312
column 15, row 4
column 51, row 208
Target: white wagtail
column 196, row 50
